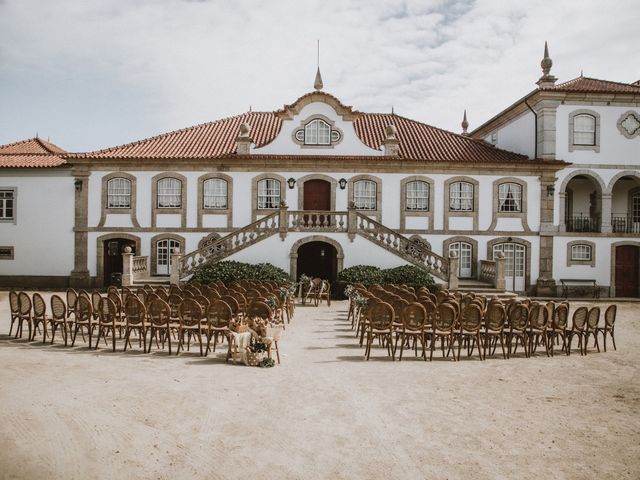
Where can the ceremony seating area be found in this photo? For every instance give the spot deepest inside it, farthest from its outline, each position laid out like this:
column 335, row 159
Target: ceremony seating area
column 205, row 314
column 401, row 317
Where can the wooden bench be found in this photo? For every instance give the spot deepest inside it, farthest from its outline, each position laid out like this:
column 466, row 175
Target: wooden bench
column 581, row 284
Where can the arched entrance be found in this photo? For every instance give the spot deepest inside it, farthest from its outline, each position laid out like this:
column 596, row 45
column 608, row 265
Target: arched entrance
column 112, row 258
column 316, row 256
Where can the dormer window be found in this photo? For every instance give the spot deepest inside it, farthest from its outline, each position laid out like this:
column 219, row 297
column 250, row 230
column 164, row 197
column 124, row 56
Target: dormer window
column 317, row 132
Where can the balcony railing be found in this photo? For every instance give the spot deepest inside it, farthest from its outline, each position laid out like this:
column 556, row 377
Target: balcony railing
column 625, row 223
column 582, row 223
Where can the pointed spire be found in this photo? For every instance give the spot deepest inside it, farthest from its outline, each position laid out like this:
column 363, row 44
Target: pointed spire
column 581, row 73
column 318, row 83
column 546, row 80
column 392, row 111
column 465, row 123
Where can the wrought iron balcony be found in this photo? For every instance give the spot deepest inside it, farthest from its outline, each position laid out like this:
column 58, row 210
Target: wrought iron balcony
column 625, row 223
column 582, row 223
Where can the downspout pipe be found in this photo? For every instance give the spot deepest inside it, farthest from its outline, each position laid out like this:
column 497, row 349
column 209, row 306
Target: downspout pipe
column 535, row 144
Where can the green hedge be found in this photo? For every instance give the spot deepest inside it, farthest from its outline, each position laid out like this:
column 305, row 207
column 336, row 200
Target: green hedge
column 229, row 271
column 409, row 275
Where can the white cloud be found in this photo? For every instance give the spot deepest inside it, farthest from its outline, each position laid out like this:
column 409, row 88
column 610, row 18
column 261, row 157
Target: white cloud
column 103, row 72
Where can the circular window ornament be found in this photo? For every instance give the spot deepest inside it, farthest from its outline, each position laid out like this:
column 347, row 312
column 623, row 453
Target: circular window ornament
column 629, row 124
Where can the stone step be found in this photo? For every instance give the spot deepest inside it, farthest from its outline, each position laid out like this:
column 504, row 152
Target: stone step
column 139, row 282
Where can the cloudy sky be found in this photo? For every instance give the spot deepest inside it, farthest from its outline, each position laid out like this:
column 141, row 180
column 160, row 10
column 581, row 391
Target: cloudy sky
column 97, row 73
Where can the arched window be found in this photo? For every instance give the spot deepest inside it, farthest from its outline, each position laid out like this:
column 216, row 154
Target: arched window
column 584, row 129
column 317, row 132
column 509, row 197
column 461, row 197
column 417, row 196
column 364, row 194
column 268, row 193
column 119, row 193
column 215, row 193
column 169, row 193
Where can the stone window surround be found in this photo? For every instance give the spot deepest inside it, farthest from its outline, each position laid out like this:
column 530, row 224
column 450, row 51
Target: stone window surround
column 155, row 210
column 584, row 111
column 377, row 213
column 293, row 254
column 100, row 252
column 13, row 219
column 316, row 176
column 11, row 255
column 522, row 214
column 215, row 211
column 330, row 122
column 404, row 213
column 153, row 267
column 612, row 276
column 527, row 254
column 474, row 251
column 454, row 213
column 622, row 119
column 255, row 211
column 105, row 194
column 570, row 261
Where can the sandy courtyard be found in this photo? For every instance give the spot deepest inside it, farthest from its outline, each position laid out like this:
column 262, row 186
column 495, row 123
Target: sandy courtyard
column 324, row 413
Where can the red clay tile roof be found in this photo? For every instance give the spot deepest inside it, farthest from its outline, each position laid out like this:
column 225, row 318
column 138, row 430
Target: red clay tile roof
column 418, row 141
column 31, row 153
column 594, row 85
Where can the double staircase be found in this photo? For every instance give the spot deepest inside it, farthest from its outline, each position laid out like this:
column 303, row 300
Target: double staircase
column 350, row 222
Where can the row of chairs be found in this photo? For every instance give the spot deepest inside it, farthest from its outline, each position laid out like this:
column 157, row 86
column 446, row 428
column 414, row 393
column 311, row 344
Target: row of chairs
column 472, row 322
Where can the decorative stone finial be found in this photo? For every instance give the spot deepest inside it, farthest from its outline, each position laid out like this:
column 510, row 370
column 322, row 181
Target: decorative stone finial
column 391, row 132
column 243, row 142
column 546, row 80
column 391, row 143
column 464, row 123
column 318, row 83
column 127, row 249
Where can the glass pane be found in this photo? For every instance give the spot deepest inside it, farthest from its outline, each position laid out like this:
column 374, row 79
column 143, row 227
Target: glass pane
column 215, row 193
column 169, row 193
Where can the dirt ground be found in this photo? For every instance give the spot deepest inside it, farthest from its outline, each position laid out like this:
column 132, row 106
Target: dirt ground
column 324, row 413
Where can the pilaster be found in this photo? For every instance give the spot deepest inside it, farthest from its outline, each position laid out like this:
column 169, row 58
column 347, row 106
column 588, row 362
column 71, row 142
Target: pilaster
column 79, row 276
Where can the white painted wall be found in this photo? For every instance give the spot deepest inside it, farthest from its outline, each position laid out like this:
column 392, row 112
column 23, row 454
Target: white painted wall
column 518, row 135
column 42, row 235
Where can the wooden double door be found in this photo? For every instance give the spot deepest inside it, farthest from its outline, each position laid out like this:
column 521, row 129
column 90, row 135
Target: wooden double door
column 627, row 271
column 317, row 197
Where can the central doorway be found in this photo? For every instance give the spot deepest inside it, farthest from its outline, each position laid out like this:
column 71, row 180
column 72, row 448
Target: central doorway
column 317, row 196
column 317, row 259
column 112, row 262
column 627, row 271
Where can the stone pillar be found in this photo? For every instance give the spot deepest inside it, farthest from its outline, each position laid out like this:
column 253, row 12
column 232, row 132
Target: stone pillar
column 127, row 267
column 453, row 271
column 174, row 273
column 79, row 277
column 283, row 220
column 546, row 285
column 352, row 221
column 605, row 222
column 546, row 128
column 500, row 283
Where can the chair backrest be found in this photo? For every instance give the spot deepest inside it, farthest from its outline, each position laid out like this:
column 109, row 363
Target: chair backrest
column 580, row 318
column 112, row 289
column 258, row 309
column 159, row 312
column 39, row 306
column 496, row 316
column 84, row 310
column 14, row 303
column 593, row 318
column 107, row 310
column 190, row 312
column 72, row 298
column 560, row 316
column 414, row 317
column 58, row 308
column 610, row 315
column 162, row 294
column 24, row 305
column 381, row 316
column 95, row 301
column 134, row 311
column 471, row 318
column 219, row 314
column 446, row 318
column 399, row 304
column 233, row 303
column 203, row 301
column 519, row 317
column 538, row 316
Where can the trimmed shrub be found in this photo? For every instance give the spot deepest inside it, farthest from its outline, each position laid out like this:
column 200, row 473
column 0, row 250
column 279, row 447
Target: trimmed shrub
column 230, row 271
column 365, row 274
column 411, row 276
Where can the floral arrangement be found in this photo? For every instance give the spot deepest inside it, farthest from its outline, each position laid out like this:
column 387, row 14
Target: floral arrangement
column 258, row 347
column 271, row 302
column 267, row 363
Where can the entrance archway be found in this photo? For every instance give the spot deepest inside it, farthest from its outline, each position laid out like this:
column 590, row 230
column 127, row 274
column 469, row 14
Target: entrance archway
column 110, row 257
column 625, row 269
column 316, row 256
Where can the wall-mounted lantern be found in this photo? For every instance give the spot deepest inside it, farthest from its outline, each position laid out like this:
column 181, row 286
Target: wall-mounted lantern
column 343, row 183
column 291, row 182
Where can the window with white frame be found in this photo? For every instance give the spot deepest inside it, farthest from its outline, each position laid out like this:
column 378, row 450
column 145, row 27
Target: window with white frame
column 317, row 132
column 581, row 252
column 364, row 194
column 169, row 193
column 215, row 193
column 268, row 193
column 119, row 193
column 7, row 204
column 461, row 197
column 509, row 197
column 417, row 196
column 584, row 129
